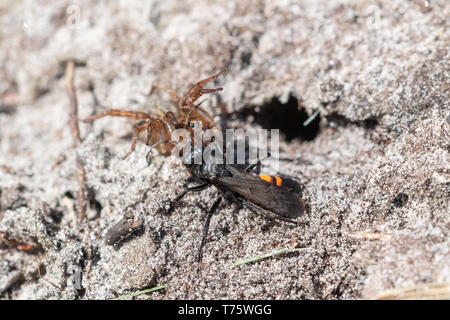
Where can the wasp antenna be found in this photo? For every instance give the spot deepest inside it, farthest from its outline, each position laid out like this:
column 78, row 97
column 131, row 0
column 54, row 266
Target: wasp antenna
column 258, row 162
column 190, row 111
column 147, row 157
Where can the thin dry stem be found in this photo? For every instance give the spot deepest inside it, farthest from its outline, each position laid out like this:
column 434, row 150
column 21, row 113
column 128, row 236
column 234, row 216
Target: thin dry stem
column 430, row 291
column 81, row 173
column 370, row 236
column 48, row 281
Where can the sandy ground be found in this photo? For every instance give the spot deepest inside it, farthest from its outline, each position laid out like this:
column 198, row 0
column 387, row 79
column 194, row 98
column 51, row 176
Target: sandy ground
column 374, row 164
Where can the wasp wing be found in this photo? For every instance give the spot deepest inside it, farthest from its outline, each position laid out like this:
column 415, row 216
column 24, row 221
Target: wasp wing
column 282, row 200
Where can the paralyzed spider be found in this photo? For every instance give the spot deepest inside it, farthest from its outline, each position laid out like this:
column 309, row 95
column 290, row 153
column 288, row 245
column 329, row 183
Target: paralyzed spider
column 159, row 128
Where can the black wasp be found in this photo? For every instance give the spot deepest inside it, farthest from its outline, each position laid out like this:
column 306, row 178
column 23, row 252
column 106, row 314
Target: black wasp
column 273, row 196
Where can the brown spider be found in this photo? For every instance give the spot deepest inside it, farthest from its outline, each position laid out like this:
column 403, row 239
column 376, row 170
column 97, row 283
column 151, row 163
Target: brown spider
column 159, row 128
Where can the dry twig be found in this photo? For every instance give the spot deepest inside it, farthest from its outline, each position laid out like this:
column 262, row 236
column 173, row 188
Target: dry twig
column 81, row 173
column 370, row 236
column 48, row 281
column 429, row 291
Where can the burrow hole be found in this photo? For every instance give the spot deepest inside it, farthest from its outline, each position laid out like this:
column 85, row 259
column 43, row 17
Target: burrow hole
column 287, row 117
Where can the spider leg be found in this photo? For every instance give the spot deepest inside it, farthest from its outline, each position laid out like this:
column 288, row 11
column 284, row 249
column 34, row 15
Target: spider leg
column 210, row 90
column 200, row 84
column 149, row 133
column 172, row 94
column 119, row 113
column 137, row 129
column 159, row 135
column 196, row 91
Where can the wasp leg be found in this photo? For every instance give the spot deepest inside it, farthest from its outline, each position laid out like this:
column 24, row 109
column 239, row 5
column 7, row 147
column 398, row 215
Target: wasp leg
column 206, row 227
column 184, row 192
column 200, row 187
column 191, row 180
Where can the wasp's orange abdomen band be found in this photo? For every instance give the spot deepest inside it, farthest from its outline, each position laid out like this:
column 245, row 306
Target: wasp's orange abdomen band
column 273, row 180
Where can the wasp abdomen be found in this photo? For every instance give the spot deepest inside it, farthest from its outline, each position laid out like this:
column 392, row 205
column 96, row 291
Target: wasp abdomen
column 272, row 179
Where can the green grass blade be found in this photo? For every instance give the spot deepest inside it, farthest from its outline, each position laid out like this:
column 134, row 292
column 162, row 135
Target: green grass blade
column 138, row 293
column 267, row 255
